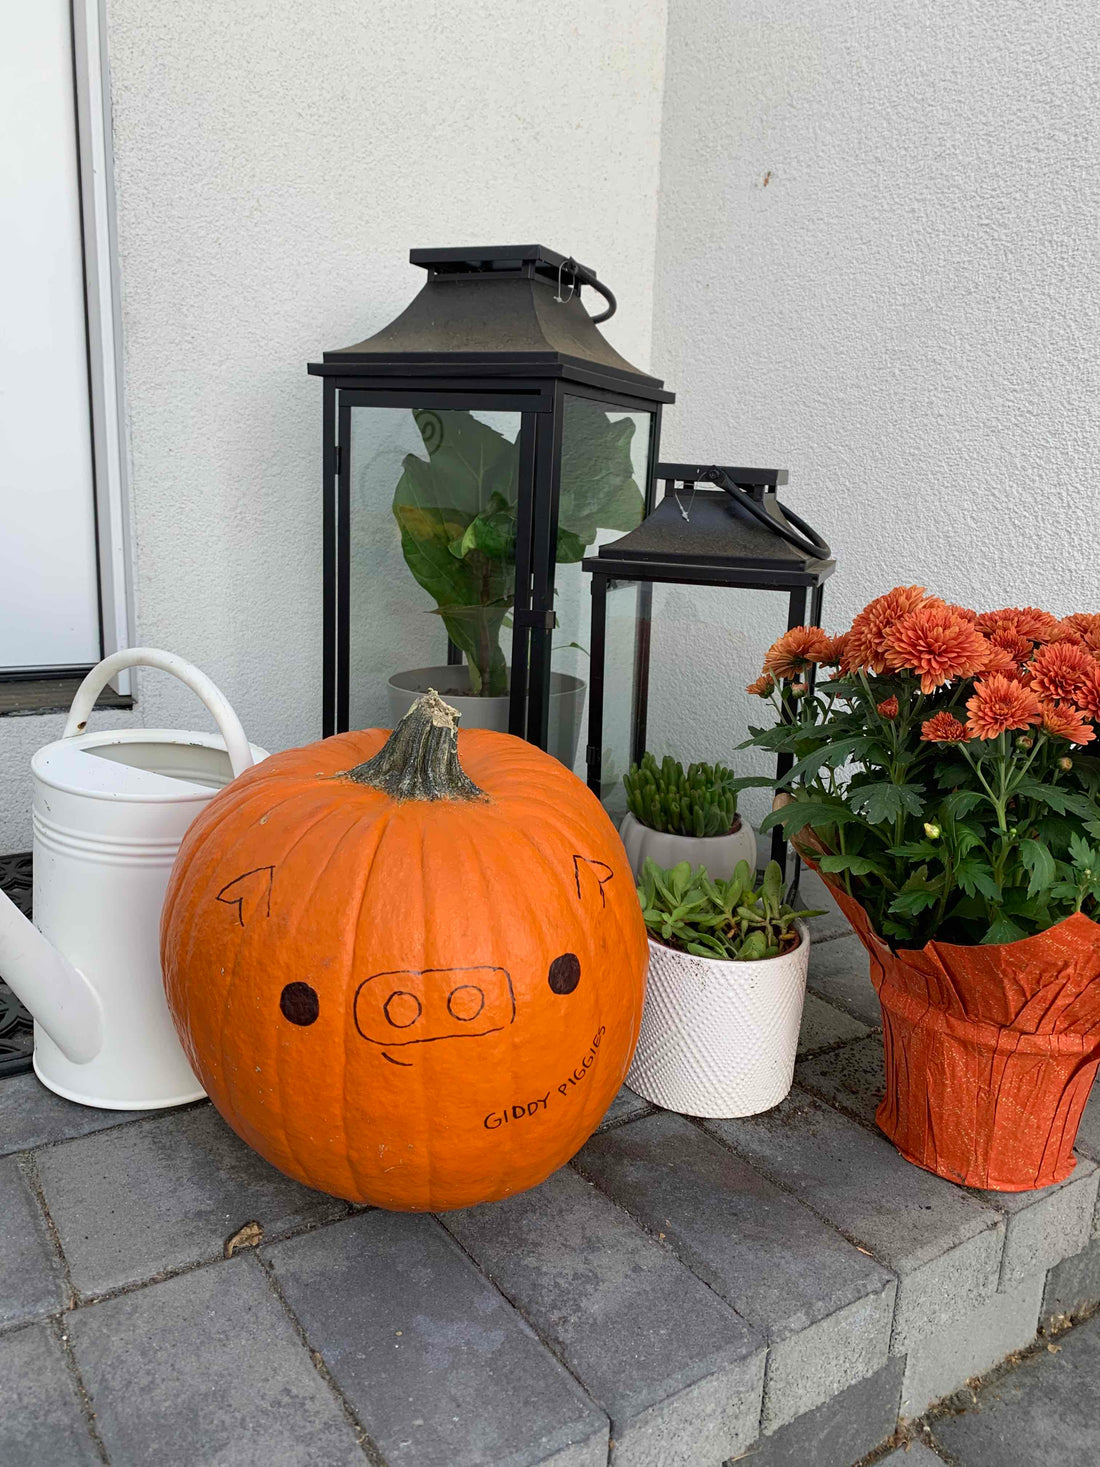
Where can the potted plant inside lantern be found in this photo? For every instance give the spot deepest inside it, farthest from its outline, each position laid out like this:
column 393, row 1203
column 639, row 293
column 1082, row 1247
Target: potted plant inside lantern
column 727, row 979
column 457, row 514
column 944, row 788
column 673, row 816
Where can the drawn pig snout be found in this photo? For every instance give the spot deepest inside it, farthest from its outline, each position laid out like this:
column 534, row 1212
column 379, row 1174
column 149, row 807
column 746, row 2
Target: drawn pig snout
column 407, row 1006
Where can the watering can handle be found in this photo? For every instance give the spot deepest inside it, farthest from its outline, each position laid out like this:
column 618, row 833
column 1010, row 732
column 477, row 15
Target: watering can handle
column 229, row 725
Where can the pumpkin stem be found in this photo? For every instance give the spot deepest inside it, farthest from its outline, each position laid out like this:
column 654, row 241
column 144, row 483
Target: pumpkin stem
column 419, row 760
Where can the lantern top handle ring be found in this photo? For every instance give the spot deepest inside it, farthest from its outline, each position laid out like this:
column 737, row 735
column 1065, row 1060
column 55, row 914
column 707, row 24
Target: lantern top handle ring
column 763, row 506
column 586, row 276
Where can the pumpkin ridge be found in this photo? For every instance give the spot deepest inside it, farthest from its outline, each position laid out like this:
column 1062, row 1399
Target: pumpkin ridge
column 233, row 972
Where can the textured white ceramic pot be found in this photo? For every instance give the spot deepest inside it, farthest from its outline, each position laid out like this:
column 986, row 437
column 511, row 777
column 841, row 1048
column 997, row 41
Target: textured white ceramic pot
column 566, row 704
column 718, row 853
column 719, row 1038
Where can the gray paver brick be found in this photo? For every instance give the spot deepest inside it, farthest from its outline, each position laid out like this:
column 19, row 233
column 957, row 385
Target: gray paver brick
column 825, row 1308
column 839, row 1432
column 972, row 1344
column 1042, row 1412
column 944, row 1246
column 1041, row 1228
column 916, row 1454
column 678, row 1372
column 207, row 1368
column 1073, row 1286
column 436, row 1364
column 1088, row 1139
column 823, row 1025
column 840, row 972
column 814, row 893
column 625, row 1107
column 41, row 1423
column 851, row 1078
column 133, row 1202
column 31, row 1280
column 31, row 1115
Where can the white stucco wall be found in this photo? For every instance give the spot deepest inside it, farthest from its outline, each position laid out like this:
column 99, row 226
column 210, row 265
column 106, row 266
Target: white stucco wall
column 877, row 266
column 275, row 162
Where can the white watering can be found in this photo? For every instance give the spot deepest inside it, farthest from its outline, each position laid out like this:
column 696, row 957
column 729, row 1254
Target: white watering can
column 110, row 810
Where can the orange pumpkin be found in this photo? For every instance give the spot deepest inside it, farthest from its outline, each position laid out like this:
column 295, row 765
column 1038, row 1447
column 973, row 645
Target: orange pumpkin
column 409, row 968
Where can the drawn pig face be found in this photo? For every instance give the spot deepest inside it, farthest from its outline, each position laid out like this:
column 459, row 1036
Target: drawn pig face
column 407, row 1006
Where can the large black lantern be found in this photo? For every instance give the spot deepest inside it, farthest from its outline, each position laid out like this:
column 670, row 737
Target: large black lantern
column 738, row 536
column 475, row 451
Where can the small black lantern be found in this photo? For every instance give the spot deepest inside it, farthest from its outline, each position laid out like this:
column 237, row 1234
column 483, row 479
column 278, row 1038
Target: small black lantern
column 738, row 536
column 474, row 451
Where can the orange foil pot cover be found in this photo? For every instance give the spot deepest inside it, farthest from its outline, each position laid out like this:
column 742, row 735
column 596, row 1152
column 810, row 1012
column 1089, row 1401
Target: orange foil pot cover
column 990, row 1050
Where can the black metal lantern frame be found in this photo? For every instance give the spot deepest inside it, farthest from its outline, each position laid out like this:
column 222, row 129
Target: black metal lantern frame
column 739, row 537
column 498, row 329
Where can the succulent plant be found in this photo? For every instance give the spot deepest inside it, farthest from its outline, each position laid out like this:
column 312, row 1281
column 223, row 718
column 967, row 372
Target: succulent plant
column 688, row 910
column 702, row 802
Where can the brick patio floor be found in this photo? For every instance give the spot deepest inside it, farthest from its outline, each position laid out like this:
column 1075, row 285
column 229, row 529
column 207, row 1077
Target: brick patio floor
column 777, row 1290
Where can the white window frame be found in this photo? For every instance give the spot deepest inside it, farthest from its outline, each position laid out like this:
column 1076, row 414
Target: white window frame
column 104, row 316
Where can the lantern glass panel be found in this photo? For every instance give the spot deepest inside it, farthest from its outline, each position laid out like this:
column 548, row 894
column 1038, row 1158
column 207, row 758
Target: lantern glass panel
column 432, row 515
column 605, row 472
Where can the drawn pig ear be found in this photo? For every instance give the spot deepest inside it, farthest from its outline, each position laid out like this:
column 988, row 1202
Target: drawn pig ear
column 299, row 1003
column 564, row 974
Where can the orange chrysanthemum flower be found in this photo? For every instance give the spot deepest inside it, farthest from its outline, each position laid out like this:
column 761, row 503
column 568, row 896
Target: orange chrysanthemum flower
column 1000, row 659
column 935, row 641
column 1027, row 621
column 944, row 728
column 1085, row 623
column 865, row 645
column 794, row 651
column 1087, row 696
column 1059, row 669
column 831, row 653
column 1018, row 648
column 762, row 687
column 1065, row 722
column 888, row 708
column 999, row 704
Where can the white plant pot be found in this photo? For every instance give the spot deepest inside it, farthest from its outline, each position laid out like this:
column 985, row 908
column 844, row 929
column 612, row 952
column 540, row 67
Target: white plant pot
column 719, row 1038
column 453, row 683
column 718, row 853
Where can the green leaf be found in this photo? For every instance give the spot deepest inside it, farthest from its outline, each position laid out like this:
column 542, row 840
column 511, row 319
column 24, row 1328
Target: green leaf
column 1003, row 929
column 883, row 801
column 919, row 899
column 1039, row 863
column 1057, row 798
column 975, row 877
column 598, row 489
column 857, row 865
column 1082, row 854
column 830, row 756
column 800, row 813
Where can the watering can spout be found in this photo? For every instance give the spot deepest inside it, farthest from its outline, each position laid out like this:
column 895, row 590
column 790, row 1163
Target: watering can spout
column 57, row 994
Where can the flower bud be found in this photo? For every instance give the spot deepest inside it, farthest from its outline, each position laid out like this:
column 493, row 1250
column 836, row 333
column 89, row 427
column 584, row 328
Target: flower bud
column 1024, row 742
column 1065, row 762
column 798, row 689
column 931, row 831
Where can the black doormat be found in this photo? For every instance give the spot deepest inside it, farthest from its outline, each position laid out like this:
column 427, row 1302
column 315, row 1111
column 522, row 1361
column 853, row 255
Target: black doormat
column 16, row 1030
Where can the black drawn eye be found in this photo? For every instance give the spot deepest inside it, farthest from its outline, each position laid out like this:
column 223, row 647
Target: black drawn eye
column 299, row 1003
column 565, row 973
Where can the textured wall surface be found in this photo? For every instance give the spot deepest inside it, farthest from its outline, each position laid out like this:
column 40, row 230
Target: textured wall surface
column 275, row 162
column 877, row 265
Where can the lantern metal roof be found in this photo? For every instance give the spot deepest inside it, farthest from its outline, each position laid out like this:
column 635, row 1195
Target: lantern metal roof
column 740, row 535
column 497, row 311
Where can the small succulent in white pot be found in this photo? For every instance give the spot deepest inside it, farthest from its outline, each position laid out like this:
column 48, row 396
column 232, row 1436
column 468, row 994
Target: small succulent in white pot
column 677, row 815
column 727, row 979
